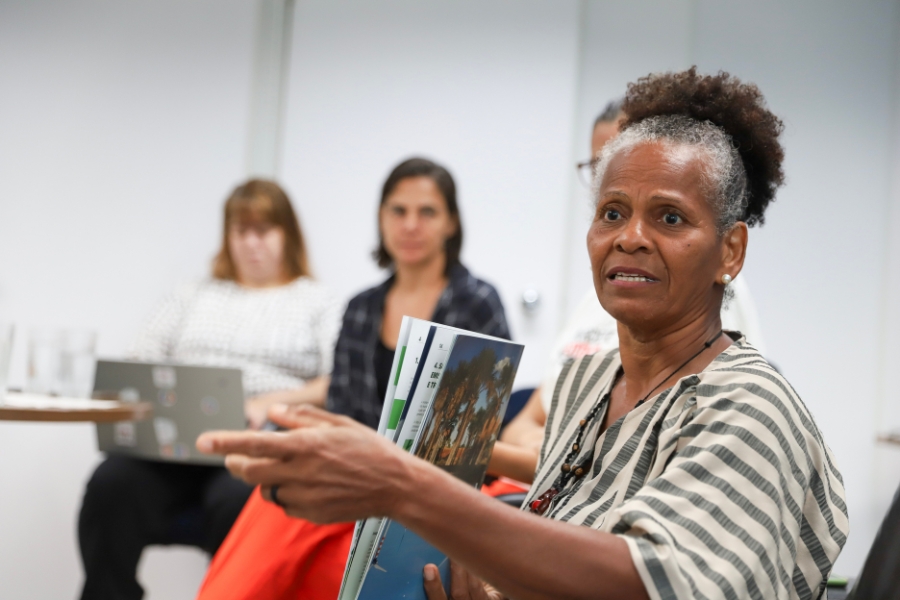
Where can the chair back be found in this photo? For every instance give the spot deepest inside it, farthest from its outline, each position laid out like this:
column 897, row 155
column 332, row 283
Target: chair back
column 517, row 401
column 880, row 577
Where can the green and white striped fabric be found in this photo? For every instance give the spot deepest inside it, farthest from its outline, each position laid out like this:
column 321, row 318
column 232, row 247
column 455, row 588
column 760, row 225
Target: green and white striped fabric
column 722, row 485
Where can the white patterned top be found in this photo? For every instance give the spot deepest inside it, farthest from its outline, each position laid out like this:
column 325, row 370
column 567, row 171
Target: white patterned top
column 279, row 337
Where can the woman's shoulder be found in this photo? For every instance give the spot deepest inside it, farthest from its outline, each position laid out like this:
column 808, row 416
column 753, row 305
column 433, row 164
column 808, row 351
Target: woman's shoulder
column 369, row 295
column 208, row 285
column 584, row 376
column 742, row 386
column 365, row 304
column 744, row 372
column 187, row 290
column 311, row 289
column 465, row 283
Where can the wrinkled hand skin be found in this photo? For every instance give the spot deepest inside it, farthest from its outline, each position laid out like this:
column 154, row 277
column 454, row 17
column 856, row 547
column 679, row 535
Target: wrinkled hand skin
column 463, row 585
column 328, row 468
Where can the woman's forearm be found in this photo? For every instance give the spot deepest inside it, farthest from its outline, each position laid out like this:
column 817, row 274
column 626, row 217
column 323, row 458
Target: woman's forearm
column 314, row 392
column 513, row 462
column 523, row 555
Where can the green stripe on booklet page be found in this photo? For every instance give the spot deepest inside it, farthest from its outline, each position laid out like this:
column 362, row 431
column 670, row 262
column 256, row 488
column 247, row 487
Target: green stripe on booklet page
column 399, row 364
column 396, row 412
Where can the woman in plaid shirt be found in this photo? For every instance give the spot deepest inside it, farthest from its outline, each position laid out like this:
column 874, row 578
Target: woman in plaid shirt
column 268, row 554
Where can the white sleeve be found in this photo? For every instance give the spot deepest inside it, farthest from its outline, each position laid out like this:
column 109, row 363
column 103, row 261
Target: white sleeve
column 327, row 328
column 156, row 339
column 588, row 330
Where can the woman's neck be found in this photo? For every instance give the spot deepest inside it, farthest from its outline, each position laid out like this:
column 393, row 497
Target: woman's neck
column 415, row 292
column 261, row 284
column 649, row 361
column 422, row 276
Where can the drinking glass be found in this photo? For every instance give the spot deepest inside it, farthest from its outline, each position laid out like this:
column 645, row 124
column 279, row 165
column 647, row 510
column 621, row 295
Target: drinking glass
column 44, row 361
column 78, row 360
column 6, row 342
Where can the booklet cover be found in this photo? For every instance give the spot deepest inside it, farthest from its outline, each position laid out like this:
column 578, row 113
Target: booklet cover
column 456, row 434
column 413, row 341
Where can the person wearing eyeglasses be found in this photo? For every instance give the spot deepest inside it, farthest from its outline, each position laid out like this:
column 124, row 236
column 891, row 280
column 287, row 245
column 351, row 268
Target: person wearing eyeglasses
column 591, row 330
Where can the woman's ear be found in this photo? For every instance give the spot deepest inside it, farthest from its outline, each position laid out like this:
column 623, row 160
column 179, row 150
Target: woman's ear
column 734, row 250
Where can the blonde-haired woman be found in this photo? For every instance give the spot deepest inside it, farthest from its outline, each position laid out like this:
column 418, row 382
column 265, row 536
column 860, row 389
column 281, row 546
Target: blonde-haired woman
column 262, row 312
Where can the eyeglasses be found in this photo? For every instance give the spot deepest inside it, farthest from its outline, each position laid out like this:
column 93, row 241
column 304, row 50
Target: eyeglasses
column 586, row 170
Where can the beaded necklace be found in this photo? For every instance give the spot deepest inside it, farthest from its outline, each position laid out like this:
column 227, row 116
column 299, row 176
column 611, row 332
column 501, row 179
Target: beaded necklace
column 569, row 470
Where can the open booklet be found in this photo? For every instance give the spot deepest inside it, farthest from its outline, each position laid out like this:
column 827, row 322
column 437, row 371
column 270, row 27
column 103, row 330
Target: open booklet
column 444, row 403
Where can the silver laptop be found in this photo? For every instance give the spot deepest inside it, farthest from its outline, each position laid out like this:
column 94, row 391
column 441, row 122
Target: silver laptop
column 187, row 401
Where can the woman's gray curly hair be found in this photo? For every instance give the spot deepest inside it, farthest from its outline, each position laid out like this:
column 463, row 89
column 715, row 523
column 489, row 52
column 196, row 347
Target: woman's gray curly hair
column 724, row 175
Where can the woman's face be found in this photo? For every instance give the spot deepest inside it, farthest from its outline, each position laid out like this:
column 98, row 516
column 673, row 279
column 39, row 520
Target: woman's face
column 656, row 257
column 415, row 223
column 257, row 249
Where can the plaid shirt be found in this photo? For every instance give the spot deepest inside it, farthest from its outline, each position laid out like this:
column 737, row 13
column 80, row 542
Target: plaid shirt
column 467, row 303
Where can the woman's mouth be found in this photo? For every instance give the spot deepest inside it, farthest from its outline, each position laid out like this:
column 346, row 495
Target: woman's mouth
column 627, row 277
column 630, row 276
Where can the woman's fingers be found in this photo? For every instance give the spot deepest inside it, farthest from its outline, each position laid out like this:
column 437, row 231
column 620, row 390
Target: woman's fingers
column 434, row 589
column 258, row 471
column 255, row 444
column 298, row 416
column 459, row 583
column 463, row 585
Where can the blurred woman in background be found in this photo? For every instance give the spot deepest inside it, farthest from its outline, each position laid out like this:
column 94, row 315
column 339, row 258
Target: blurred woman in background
column 261, row 312
column 268, row 554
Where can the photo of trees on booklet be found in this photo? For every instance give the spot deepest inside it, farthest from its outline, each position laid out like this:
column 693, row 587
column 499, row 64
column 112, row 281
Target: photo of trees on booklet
column 469, row 405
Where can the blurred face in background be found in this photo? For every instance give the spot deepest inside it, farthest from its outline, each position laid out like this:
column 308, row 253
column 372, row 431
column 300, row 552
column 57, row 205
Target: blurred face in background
column 257, row 249
column 603, row 132
column 415, row 223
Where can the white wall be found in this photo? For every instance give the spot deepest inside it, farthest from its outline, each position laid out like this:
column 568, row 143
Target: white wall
column 125, row 125
column 483, row 87
column 123, row 128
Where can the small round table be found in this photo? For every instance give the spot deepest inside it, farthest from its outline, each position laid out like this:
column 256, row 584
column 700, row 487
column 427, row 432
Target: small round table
column 38, row 407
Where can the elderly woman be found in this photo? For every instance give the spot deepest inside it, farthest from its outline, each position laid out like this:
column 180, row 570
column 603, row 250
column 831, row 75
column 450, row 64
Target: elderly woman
column 689, row 465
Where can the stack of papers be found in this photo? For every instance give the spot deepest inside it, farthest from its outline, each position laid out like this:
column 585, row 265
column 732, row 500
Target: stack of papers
column 444, row 403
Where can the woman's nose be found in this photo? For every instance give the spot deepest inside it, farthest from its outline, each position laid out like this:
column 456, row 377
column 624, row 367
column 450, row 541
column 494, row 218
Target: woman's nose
column 632, row 238
column 411, row 221
column 252, row 238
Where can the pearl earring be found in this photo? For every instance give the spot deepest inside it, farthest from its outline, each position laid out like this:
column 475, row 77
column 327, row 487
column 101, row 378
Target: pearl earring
column 726, row 279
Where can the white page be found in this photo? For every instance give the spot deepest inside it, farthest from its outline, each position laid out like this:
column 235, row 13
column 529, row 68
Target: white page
column 427, row 386
column 415, row 345
column 399, row 353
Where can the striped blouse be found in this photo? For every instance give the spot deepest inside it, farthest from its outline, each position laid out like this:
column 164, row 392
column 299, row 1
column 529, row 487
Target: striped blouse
column 721, row 485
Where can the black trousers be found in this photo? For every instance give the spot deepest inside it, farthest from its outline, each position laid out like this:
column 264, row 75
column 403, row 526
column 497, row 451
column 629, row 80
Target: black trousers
column 131, row 503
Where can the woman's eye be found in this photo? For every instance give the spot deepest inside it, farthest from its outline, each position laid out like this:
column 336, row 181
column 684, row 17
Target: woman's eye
column 672, row 219
column 612, row 215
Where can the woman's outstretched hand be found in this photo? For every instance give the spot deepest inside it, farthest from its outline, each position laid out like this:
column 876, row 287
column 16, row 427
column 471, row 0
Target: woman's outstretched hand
column 328, row 468
column 463, row 585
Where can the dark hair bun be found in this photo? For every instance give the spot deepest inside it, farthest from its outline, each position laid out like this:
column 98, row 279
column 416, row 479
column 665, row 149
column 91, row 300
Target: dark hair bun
column 738, row 108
